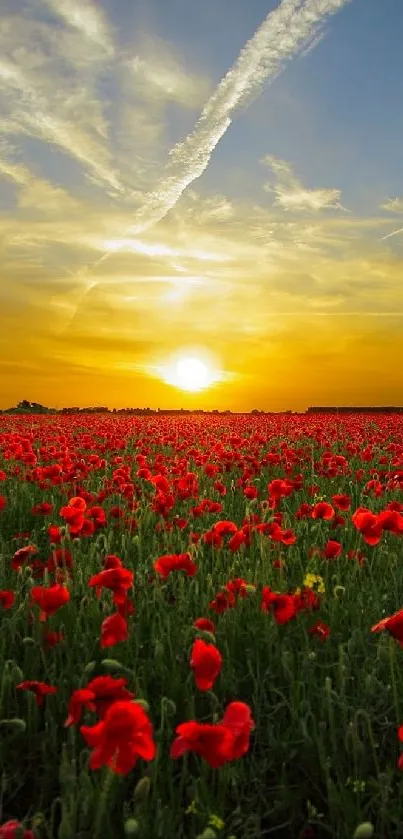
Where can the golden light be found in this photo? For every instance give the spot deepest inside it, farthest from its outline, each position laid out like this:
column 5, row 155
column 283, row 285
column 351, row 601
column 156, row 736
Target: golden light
column 190, row 372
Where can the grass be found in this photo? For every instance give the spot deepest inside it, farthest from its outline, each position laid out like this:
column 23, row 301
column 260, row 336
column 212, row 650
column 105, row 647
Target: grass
column 323, row 754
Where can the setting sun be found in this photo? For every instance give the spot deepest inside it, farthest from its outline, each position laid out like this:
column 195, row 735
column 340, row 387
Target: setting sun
column 191, row 370
column 192, row 374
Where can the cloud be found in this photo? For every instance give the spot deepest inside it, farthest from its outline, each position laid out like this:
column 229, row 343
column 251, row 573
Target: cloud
column 393, row 205
column 49, row 92
column 292, row 195
column 284, row 33
column 157, row 74
column 87, row 17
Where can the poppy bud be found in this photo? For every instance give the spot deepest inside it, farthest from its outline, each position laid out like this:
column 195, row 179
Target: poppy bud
column 144, row 704
column 364, row 831
column 131, row 828
column 89, row 668
column 16, row 725
column 141, row 790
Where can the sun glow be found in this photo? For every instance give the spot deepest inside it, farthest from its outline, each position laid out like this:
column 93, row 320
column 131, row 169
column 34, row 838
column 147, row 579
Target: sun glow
column 191, row 373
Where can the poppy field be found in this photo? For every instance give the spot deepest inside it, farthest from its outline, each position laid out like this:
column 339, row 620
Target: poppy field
column 200, row 626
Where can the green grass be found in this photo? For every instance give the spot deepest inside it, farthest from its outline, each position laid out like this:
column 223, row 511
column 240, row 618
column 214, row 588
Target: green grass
column 325, row 748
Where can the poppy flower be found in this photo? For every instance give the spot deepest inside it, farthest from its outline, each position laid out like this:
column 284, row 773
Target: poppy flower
column 40, row 689
column 49, row 599
column 238, row 718
column 175, row 562
column 79, row 699
column 14, row 830
column 108, row 690
column 205, row 625
column 206, row 662
column 368, row 524
column 323, row 510
column 51, row 639
column 320, row 629
column 124, row 735
column 342, row 502
column 7, row 598
column 391, row 520
column 99, row 694
column 2, row 502
column 225, row 528
column 333, row 549
column 283, row 605
column 214, row 743
column 223, row 600
column 219, row 743
column 114, row 629
column 392, row 624
column 117, row 579
column 23, row 555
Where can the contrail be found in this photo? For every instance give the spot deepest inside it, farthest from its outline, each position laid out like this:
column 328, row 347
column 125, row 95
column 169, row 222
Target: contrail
column 395, row 232
column 284, row 33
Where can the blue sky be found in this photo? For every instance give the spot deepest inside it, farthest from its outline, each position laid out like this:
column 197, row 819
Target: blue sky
column 117, row 207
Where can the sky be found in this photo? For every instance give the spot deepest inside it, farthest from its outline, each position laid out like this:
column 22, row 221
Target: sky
column 220, row 181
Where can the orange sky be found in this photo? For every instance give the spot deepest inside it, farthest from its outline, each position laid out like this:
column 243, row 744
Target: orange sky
column 273, row 252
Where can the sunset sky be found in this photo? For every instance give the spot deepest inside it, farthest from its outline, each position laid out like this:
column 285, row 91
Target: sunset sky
column 155, row 209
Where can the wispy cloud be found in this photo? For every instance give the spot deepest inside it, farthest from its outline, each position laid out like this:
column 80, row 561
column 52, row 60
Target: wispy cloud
column 393, row 205
column 49, row 92
column 284, row 33
column 292, row 195
column 157, row 74
column 87, row 17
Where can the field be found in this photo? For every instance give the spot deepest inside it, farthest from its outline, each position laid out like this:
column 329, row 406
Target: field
column 194, row 637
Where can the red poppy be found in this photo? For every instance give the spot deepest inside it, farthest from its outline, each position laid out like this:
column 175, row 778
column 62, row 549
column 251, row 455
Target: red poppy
column 124, row 735
column 238, row 718
column 206, row 662
column 23, row 555
column 225, row 528
column 2, row 502
column 205, row 625
column 220, row 743
column 332, row 549
column 175, row 562
column 342, row 502
column 117, row 579
column 392, row 624
column 368, row 525
column 114, row 629
column 323, row 510
column 60, row 558
column 283, row 605
column 320, row 629
column 108, row 690
column 79, row 699
column 214, row 743
column 40, row 689
column 49, row 599
column 391, row 520
column 51, row 639
column 223, row 600
column 14, row 830
column 7, row 598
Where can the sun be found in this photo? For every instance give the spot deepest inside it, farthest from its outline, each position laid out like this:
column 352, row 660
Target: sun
column 190, row 369
column 192, row 374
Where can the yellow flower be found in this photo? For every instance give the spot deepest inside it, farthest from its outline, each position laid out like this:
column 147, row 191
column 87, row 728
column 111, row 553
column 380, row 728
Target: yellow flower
column 314, row 581
column 192, row 808
column 215, row 821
